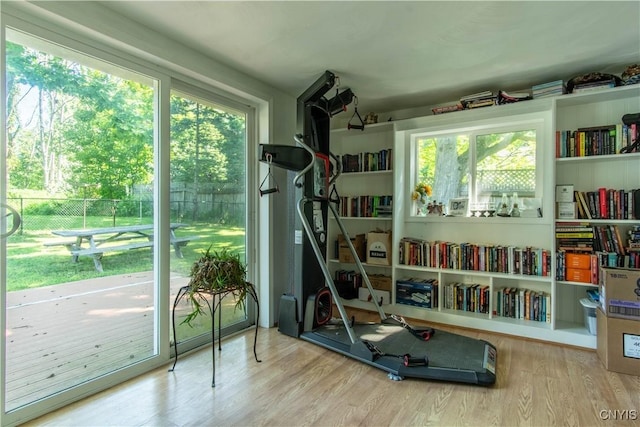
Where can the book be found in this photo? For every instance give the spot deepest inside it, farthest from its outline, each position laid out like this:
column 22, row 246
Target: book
column 479, row 95
column 564, row 193
column 507, row 98
column 447, row 108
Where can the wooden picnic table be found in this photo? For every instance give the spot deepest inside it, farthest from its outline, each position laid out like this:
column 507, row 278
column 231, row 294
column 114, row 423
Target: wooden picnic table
column 96, row 241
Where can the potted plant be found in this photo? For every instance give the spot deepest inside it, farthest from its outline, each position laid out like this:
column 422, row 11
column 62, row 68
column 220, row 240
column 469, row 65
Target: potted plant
column 217, row 272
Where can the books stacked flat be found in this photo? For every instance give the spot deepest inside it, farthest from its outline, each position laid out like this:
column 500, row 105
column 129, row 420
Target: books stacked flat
column 477, row 100
column 508, row 98
column 592, row 86
column 447, row 108
column 542, row 90
column 633, row 243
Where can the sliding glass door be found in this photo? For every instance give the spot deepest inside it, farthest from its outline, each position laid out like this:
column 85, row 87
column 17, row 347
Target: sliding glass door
column 80, row 296
column 82, row 275
column 208, row 195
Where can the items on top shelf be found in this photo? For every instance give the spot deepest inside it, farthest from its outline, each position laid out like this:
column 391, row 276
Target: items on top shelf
column 592, row 81
column 509, row 98
column 447, row 108
column 631, row 75
column 553, row 88
column 476, row 100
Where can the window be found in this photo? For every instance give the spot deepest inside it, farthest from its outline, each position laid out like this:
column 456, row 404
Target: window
column 481, row 165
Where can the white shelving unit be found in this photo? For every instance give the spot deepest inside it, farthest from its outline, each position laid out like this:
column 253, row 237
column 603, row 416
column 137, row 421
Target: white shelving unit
column 373, row 138
column 566, row 324
column 618, row 171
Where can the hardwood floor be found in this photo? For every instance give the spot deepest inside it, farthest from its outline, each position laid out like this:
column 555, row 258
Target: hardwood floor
column 298, row 383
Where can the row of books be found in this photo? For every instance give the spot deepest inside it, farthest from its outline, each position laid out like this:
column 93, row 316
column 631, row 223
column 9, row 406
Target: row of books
column 366, row 206
column 367, row 161
column 633, row 241
column 347, row 283
column 349, row 276
column 477, row 257
column 523, row 304
column 595, row 141
column 590, row 238
column 467, row 297
column 607, row 203
column 585, row 267
column 553, row 88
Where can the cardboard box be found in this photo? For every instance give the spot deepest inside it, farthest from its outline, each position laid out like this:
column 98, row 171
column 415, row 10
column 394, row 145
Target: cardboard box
column 620, row 292
column 379, row 248
column 384, row 296
column 419, row 293
column 380, row 281
column 618, row 343
column 359, row 244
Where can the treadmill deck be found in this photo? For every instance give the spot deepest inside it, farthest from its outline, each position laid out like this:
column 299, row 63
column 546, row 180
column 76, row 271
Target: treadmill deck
column 451, row 357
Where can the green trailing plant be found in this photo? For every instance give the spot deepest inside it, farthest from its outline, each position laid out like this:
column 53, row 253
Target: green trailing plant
column 219, row 272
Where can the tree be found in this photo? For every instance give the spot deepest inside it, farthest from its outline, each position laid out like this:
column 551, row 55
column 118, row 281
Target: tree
column 207, row 144
column 40, row 97
column 111, row 144
column 444, row 161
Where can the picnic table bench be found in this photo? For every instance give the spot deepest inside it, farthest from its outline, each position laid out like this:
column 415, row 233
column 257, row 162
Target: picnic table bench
column 86, row 242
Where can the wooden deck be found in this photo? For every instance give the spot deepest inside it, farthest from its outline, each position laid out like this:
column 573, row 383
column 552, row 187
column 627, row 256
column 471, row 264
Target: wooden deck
column 60, row 336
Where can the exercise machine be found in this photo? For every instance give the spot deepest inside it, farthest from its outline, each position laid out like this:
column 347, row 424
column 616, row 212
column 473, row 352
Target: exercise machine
column 392, row 344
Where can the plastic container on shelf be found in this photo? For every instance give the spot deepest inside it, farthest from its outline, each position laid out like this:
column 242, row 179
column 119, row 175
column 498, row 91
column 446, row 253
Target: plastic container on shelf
column 589, row 308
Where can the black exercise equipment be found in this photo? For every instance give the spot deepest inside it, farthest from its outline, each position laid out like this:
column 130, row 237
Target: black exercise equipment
column 355, row 114
column 392, row 344
column 267, row 180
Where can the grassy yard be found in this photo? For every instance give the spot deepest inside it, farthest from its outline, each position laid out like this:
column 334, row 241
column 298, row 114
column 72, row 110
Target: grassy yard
column 30, row 264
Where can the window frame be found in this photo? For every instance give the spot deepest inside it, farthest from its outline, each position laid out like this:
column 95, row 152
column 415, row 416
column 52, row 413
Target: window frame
column 534, row 121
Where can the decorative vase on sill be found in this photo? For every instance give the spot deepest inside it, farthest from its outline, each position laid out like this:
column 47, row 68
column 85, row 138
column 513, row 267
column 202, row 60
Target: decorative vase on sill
column 420, row 197
column 419, row 208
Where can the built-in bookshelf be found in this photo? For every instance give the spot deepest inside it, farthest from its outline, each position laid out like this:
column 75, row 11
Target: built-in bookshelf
column 604, row 182
column 365, row 190
column 437, row 271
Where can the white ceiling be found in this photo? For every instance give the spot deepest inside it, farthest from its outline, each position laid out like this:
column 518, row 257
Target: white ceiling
column 395, row 54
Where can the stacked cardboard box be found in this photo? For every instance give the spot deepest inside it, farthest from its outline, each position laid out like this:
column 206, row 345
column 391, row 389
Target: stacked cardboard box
column 618, row 320
column 359, row 244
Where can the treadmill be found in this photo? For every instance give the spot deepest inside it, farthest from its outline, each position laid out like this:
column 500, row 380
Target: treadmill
column 393, row 345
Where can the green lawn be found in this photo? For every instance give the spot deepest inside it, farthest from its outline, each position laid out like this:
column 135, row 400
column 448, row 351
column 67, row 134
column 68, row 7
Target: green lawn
column 30, row 264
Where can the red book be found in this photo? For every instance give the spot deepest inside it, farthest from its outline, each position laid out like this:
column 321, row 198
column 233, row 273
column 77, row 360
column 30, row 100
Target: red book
column 602, row 195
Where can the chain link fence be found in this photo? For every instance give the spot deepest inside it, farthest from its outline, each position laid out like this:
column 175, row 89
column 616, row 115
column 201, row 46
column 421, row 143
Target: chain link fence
column 46, row 214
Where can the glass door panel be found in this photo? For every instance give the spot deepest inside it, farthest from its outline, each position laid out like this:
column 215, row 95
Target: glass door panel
column 208, row 196
column 80, row 295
